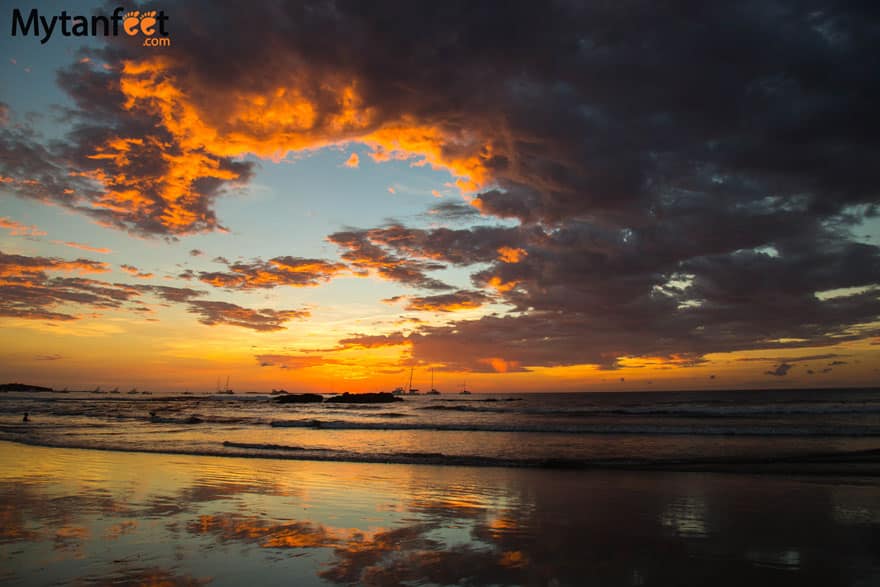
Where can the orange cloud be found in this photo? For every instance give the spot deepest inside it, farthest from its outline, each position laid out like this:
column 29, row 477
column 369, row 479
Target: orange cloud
column 511, row 254
column 370, row 341
column 500, row 365
column 465, row 154
column 457, row 301
column 292, row 271
column 23, row 266
column 353, row 161
column 207, row 126
column 269, row 534
column 513, row 559
column 18, row 229
column 501, row 285
column 366, row 257
column 132, row 270
column 26, row 291
column 75, row 245
column 214, row 313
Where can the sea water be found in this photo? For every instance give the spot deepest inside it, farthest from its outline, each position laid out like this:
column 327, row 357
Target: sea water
column 635, row 430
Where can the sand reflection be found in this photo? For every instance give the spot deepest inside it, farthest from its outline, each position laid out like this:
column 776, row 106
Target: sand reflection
column 194, row 520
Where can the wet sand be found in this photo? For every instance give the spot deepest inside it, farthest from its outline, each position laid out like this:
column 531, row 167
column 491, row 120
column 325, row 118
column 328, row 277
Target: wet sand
column 95, row 517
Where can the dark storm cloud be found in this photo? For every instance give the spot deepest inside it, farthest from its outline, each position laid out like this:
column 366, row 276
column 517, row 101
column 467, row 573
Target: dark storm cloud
column 478, row 244
column 593, row 111
column 453, row 211
column 590, row 294
column 406, row 255
column 33, row 170
column 583, row 110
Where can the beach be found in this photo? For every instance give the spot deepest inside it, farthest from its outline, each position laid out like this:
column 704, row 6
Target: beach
column 95, row 517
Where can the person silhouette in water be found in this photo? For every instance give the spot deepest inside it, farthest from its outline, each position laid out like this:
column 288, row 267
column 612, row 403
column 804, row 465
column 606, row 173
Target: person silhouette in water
column 26, row 418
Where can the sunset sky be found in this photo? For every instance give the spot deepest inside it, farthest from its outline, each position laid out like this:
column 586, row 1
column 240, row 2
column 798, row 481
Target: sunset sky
column 318, row 196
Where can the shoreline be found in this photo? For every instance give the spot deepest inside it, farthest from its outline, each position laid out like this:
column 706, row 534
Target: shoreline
column 863, row 463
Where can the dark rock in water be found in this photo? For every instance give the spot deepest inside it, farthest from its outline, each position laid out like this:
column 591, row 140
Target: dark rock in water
column 22, row 387
column 299, row 398
column 365, row 398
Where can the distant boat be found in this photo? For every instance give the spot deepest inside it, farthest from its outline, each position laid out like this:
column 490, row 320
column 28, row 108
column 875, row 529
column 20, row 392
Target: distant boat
column 227, row 391
column 397, row 391
column 410, row 389
column 433, row 391
column 464, row 389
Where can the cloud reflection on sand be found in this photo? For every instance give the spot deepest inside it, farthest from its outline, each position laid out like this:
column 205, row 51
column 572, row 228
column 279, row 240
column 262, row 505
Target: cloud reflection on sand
column 150, row 576
column 116, row 518
column 231, row 527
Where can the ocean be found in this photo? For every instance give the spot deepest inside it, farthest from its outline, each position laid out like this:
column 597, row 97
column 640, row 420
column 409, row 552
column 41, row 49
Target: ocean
column 769, row 429
column 541, row 489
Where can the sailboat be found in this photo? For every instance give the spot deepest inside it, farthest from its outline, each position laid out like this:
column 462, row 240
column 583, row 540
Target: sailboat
column 433, row 391
column 227, row 390
column 410, row 389
column 464, row 389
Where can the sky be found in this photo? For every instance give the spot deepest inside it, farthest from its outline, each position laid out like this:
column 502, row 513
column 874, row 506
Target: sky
column 514, row 196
